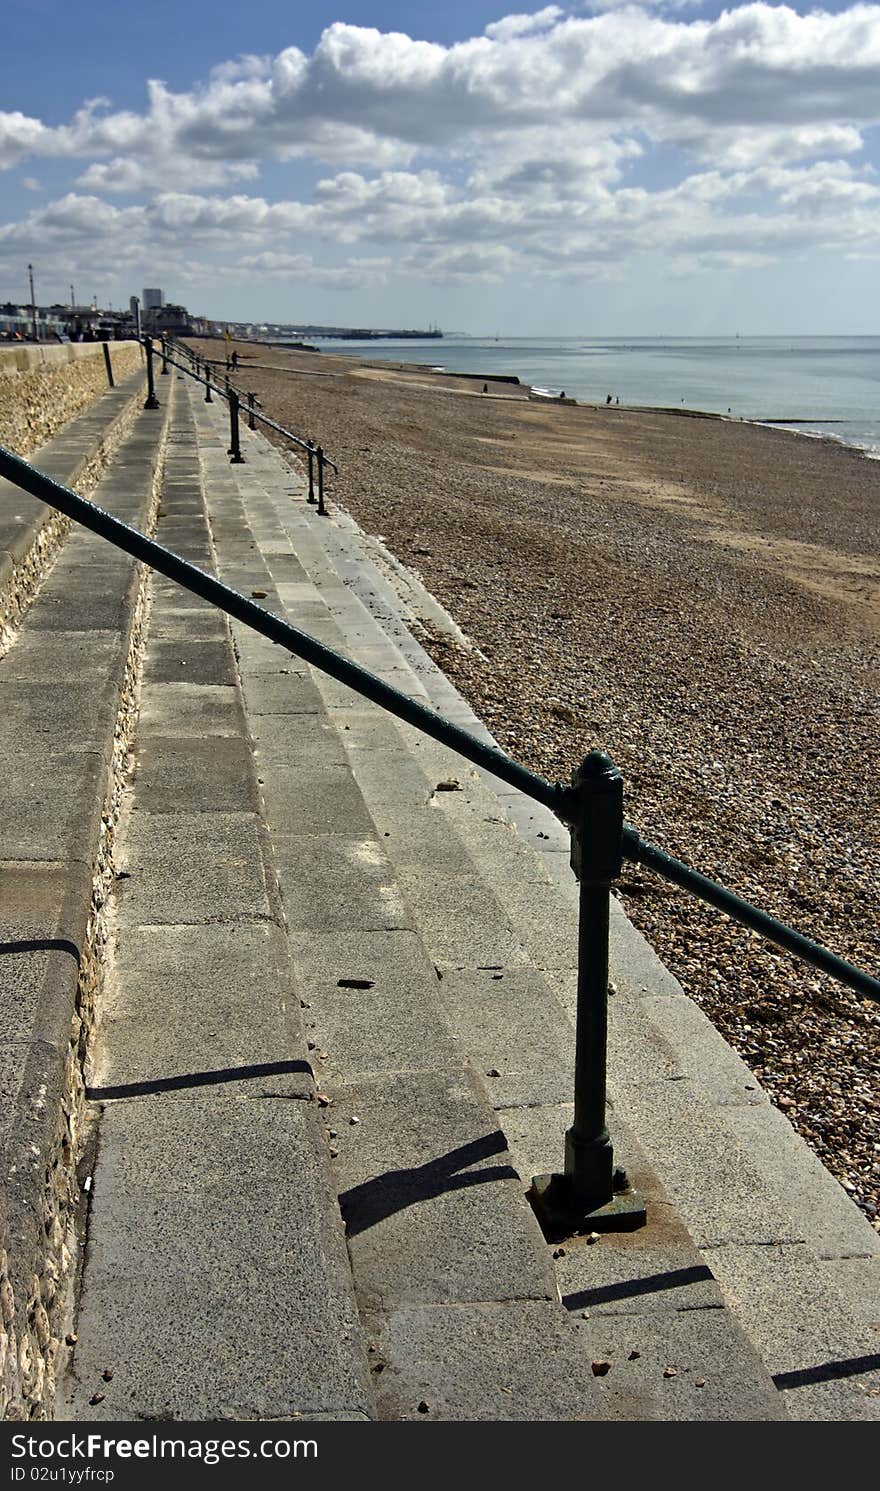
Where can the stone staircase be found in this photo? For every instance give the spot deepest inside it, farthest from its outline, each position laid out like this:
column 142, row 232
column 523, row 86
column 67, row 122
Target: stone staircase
column 334, row 1035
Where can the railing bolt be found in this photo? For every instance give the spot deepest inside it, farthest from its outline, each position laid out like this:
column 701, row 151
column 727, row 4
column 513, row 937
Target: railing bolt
column 590, row 1194
column 151, row 402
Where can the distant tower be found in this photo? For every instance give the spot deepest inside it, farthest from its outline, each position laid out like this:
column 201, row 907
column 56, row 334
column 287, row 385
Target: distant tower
column 153, row 300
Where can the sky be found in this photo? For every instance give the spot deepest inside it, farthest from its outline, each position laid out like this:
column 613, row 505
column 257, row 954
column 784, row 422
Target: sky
column 589, row 169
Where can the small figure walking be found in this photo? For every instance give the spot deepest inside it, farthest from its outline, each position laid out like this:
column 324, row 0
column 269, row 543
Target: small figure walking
column 234, row 359
column 485, row 388
column 608, row 399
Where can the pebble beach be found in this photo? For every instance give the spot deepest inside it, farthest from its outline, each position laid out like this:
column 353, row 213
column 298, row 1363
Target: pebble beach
column 698, row 597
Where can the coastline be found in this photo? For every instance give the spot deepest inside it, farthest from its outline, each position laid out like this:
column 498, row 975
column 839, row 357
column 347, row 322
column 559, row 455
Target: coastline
column 859, row 436
column 700, row 598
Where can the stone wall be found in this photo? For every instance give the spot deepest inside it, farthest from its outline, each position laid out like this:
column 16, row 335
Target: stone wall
column 37, row 1277
column 41, row 388
column 42, row 1215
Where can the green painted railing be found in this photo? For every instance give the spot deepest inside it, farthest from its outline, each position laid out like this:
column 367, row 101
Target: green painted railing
column 199, row 369
column 589, row 1191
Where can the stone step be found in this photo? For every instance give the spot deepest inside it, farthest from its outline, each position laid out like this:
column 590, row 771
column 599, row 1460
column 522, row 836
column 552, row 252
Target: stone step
column 437, row 1035
column 216, row 1281
column 798, row 1263
column 31, row 532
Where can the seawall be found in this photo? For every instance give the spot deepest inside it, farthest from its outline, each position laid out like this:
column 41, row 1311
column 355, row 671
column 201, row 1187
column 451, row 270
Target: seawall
column 42, row 387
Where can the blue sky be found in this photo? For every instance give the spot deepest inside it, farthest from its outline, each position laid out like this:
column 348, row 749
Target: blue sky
column 599, row 168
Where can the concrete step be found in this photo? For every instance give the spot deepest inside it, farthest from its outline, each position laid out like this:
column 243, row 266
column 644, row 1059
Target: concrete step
column 415, row 916
column 216, row 1282
column 796, row 1260
column 30, row 532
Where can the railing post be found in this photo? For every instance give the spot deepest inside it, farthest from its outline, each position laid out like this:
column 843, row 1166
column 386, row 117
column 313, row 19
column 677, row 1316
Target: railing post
column 208, row 398
column 590, row 1194
column 234, row 438
column 252, row 424
column 151, row 402
column 311, row 497
column 322, row 511
column 164, row 355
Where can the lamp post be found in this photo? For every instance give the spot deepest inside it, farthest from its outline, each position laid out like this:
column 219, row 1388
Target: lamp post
column 33, row 302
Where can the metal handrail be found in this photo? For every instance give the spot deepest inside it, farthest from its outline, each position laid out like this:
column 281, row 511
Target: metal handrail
column 316, row 455
column 642, row 852
column 263, row 418
column 560, row 799
column 589, row 1191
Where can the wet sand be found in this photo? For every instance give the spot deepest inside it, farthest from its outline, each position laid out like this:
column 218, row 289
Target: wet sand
column 701, row 599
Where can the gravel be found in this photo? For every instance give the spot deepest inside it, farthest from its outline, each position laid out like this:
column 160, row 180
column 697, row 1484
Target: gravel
column 699, row 598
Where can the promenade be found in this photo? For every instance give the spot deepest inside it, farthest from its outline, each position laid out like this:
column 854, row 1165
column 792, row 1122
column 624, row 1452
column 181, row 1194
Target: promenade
column 325, row 974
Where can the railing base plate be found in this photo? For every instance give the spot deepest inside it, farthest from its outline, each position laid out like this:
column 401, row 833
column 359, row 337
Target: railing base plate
column 561, row 1215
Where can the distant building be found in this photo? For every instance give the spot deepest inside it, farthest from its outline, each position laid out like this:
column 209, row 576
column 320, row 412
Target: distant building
column 173, row 320
column 153, row 300
column 17, row 323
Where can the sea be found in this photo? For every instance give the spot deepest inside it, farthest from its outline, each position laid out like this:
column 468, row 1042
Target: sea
column 821, row 386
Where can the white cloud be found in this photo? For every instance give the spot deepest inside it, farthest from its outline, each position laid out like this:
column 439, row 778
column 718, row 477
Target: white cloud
column 357, row 274
column 248, row 66
column 523, row 25
column 233, row 220
column 474, row 263
column 20, row 137
column 750, row 145
column 527, row 150
column 73, row 217
column 756, row 65
column 125, row 175
column 598, row 6
column 540, row 162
